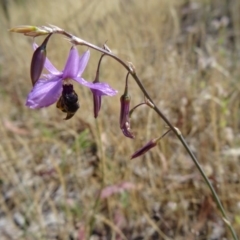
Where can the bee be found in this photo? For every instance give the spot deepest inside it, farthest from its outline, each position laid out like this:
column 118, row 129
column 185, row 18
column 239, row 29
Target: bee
column 68, row 102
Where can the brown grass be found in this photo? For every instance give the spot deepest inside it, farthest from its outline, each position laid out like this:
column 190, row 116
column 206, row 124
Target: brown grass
column 51, row 170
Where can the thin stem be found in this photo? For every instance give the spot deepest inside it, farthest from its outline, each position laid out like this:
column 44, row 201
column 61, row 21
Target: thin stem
column 177, row 133
column 131, row 111
column 126, row 85
column 215, row 195
column 78, row 41
column 98, row 67
column 175, row 130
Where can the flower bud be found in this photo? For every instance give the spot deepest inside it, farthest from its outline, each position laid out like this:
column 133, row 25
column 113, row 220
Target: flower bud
column 38, row 60
column 32, row 31
column 97, row 100
column 124, row 112
column 23, row 29
column 152, row 143
column 124, row 116
column 97, row 97
column 127, row 130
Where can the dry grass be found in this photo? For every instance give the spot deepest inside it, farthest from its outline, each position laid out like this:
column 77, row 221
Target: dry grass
column 187, row 57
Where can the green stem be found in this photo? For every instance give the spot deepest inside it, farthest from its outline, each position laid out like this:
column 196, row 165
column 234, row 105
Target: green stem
column 176, row 131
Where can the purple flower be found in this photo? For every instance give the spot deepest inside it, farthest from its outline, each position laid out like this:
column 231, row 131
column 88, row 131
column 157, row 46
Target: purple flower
column 47, row 90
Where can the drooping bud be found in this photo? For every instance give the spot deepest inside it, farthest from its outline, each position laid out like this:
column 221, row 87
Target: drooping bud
column 97, row 98
column 126, row 129
column 124, row 112
column 97, row 101
column 68, row 102
column 152, row 143
column 125, row 105
column 38, row 60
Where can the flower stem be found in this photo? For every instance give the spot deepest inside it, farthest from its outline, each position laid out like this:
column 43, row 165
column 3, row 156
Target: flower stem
column 134, row 108
column 78, row 41
column 177, row 133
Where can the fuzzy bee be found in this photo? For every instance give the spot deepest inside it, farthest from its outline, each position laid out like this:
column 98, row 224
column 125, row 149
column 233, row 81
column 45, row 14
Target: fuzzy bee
column 68, row 102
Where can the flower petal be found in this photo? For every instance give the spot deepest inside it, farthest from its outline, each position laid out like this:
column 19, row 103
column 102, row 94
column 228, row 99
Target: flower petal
column 152, row 143
column 97, row 101
column 48, row 65
column 83, row 62
column 124, row 110
column 44, row 93
column 37, row 64
column 103, row 88
column 126, row 130
column 72, row 64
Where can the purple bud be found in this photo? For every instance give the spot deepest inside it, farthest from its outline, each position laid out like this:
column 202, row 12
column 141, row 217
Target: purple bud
column 127, row 130
column 38, row 60
column 152, row 143
column 97, row 100
column 97, row 97
column 124, row 112
column 124, row 116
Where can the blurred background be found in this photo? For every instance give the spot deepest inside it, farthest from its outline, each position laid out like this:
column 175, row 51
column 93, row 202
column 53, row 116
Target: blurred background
column 52, row 171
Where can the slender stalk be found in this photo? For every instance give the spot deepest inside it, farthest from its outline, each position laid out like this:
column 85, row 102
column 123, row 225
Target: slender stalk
column 130, row 68
column 165, row 119
column 99, row 64
column 175, row 130
column 131, row 111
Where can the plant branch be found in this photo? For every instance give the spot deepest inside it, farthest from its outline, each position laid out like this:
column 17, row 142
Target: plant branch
column 176, row 131
column 130, row 68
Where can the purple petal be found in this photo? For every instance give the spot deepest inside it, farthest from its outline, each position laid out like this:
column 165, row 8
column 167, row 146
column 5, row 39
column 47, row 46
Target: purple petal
column 152, row 143
column 44, row 93
column 83, row 62
column 35, row 46
column 48, row 65
column 72, row 64
column 124, row 109
column 126, row 130
column 103, row 88
column 97, row 100
column 37, row 64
